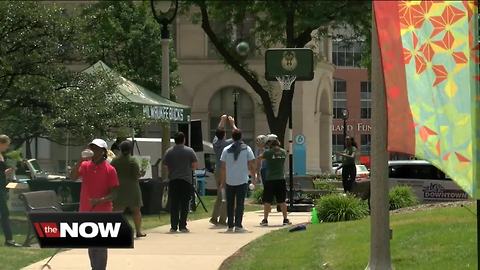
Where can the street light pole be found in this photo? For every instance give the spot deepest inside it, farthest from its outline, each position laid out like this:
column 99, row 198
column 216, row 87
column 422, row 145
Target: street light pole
column 235, row 105
column 164, row 13
column 345, row 117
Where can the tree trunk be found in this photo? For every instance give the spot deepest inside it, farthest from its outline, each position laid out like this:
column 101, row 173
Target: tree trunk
column 28, row 149
column 277, row 124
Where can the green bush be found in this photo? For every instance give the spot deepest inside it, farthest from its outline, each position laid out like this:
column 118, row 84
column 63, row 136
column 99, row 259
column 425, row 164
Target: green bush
column 324, row 185
column 401, row 196
column 338, row 207
column 257, row 195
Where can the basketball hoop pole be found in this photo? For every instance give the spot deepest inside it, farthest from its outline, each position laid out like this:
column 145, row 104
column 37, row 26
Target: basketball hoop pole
column 290, row 149
column 288, row 65
column 286, row 82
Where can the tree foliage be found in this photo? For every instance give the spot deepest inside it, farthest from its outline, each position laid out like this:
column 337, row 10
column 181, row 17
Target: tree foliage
column 125, row 35
column 276, row 24
column 39, row 96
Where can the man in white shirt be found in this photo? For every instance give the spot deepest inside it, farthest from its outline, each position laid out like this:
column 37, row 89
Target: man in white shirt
column 237, row 161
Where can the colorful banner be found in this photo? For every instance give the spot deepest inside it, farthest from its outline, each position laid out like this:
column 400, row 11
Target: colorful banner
column 429, row 52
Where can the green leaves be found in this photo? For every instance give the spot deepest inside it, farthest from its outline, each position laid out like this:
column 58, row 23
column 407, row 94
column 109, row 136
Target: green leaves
column 337, row 207
column 39, row 96
column 125, row 36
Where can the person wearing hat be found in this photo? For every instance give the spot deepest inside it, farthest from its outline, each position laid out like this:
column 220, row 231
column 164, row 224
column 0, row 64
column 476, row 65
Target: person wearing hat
column 129, row 194
column 261, row 142
column 274, row 184
column 98, row 190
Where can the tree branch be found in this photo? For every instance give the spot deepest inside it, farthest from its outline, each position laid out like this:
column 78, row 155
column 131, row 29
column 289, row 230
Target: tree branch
column 251, row 80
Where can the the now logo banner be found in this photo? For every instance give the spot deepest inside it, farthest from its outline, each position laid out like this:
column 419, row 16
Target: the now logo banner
column 82, row 230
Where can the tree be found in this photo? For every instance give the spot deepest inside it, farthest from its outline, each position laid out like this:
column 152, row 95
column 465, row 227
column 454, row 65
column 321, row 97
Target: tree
column 39, row 96
column 125, row 36
column 276, row 22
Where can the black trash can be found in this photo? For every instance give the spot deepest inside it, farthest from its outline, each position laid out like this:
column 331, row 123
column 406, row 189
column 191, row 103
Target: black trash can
column 152, row 195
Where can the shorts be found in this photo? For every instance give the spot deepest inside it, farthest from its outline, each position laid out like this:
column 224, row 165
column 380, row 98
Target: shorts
column 274, row 188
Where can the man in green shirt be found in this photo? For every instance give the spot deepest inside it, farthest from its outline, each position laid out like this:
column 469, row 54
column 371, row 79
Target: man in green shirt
column 274, row 185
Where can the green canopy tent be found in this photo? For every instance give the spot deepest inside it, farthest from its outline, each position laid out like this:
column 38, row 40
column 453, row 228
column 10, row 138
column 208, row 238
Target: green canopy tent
column 154, row 106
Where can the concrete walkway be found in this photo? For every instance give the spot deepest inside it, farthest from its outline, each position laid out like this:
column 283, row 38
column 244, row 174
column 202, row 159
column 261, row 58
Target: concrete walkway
column 204, row 248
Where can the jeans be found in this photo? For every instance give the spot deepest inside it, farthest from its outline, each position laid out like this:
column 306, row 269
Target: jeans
column 235, row 196
column 5, row 216
column 98, row 258
column 179, row 192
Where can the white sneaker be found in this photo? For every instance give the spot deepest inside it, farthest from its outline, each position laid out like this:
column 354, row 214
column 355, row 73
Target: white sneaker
column 240, row 230
column 229, row 230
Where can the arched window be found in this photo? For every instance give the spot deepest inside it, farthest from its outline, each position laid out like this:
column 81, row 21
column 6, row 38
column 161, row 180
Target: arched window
column 223, row 103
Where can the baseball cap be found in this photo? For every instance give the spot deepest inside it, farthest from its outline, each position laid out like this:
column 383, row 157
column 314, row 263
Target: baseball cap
column 261, row 139
column 272, row 137
column 100, row 143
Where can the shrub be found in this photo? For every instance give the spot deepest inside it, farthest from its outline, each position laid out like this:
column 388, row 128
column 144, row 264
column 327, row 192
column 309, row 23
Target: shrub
column 401, row 196
column 324, row 185
column 338, row 207
column 257, row 195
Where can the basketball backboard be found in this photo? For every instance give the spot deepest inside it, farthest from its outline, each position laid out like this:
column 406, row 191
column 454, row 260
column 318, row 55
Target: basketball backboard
column 289, row 61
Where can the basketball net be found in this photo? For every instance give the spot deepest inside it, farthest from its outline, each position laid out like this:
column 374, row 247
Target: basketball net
column 286, row 81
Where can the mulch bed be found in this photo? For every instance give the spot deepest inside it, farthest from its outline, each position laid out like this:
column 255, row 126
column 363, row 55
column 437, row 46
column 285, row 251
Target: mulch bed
column 427, row 206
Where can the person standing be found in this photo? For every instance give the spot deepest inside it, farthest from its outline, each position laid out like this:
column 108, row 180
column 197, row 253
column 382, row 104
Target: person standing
column 180, row 161
column 349, row 170
column 274, row 184
column 4, row 212
column 219, row 213
column 98, row 190
column 237, row 161
column 129, row 194
column 261, row 142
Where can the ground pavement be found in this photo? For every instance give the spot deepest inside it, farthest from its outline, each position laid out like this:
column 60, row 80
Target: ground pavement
column 204, row 248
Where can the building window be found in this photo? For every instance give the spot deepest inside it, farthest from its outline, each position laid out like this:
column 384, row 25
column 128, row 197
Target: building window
column 347, row 54
column 365, row 100
column 366, row 142
column 337, row 143
column 222, row 103
column 339, row 98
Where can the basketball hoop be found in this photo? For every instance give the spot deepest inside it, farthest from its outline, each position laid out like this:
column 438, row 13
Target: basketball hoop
column 286, row 81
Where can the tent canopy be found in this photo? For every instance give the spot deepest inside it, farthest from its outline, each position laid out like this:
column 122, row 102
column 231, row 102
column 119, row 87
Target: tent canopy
column 154, row 106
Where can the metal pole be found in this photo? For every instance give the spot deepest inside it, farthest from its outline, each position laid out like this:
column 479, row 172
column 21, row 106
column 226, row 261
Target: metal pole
column 379, row 226
column 290, row 151
column 66, row 152
column 478, row 235
column 165, row 90
column 344, row 131
column 235, row 112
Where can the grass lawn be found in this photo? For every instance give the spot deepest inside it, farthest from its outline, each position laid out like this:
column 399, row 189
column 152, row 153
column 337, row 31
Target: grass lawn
column 16, row 258
column 440, row 238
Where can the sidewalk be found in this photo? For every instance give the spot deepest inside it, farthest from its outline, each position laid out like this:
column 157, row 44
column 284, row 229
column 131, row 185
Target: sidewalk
column 204, row 248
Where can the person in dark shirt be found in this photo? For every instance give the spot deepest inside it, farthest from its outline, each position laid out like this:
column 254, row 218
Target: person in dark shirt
column 4, row 212
column 349, row 170
column 180, row 161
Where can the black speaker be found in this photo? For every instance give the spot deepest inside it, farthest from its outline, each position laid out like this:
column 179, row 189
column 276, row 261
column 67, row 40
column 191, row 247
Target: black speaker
column 197, row 138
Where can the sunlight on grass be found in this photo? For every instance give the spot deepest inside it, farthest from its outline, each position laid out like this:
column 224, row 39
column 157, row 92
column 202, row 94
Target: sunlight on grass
column 441, row 238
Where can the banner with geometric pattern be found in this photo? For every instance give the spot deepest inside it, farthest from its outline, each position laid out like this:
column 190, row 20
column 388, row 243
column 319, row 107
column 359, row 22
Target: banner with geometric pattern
column 429, row 52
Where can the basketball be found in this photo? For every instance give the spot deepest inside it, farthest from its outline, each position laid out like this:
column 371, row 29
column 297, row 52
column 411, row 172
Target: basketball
column 243, row 48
